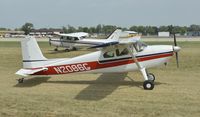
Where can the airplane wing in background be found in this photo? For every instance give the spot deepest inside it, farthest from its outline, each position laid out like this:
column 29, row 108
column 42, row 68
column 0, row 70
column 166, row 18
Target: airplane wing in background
column 127, row 41
column 77, row 34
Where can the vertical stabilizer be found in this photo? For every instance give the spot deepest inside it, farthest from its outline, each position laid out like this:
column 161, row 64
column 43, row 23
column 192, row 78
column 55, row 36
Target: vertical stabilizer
column 115, row 35
column 31, row 53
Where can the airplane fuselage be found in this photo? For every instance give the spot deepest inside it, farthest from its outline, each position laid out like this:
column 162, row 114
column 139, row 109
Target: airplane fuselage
column 95, row 62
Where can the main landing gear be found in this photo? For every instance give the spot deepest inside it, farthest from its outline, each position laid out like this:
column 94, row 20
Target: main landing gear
column 56, row 49
column 70, row 49
column 149, row 79
column 67, row 49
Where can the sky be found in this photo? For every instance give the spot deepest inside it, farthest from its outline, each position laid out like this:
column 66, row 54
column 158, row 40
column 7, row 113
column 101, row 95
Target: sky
column 124, row 13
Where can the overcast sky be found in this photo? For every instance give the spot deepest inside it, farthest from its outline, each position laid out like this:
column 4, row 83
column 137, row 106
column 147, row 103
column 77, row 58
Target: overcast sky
column 125, row 13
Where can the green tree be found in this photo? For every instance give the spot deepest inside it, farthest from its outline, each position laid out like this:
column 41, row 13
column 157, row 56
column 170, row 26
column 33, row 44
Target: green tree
column 164, row 29
column 141, row 29
column 92, row 30
column 71, row 29
column 107, row 29
column 86, row 29
column 133, row 28
column 27, row 27
column 64, row 29
column 99, row 29
column 194, row 28
column 80, row 29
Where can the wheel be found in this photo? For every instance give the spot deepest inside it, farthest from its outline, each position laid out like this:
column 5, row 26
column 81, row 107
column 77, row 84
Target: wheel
column 151, row 77
column 56, row 49
column 21, row 80
column 67, row 50
column 148, row 85
column 74, row 48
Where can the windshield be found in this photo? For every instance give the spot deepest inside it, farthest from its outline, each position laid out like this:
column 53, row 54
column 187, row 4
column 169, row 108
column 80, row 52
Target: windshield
column 139, row 46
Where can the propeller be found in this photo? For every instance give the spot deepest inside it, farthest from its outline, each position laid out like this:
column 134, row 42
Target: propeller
column 176, row 49
column 50, row 41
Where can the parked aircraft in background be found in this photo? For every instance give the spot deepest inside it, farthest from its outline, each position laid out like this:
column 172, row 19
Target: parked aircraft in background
column 72, row 41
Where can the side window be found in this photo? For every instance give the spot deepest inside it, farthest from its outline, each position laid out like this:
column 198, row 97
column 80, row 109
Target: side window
column 122, row 52
column 69, row 38
column 76, row 38
column 108, row 54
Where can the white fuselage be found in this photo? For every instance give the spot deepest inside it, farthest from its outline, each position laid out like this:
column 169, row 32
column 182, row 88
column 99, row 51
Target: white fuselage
column 95, row 62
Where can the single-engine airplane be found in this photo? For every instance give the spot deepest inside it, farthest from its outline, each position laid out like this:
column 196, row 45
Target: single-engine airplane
column 67, row 40
column 111, row 57
column 72, row 41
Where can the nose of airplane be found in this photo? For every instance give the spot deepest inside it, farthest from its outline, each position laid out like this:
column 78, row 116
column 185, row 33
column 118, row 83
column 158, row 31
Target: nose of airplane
column 176, row 48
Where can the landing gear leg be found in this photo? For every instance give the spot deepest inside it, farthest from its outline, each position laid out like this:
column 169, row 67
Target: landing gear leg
column 21, row 80
column 149, row 82
column 148, row 78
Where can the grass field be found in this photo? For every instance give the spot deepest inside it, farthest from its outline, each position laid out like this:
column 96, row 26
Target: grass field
column 176, row 93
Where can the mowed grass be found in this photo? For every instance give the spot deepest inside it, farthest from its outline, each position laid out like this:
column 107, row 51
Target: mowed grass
column 176, row 92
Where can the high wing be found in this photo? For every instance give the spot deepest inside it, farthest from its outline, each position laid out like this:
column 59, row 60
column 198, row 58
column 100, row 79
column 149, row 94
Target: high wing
column 77, row 34
column 112, row 42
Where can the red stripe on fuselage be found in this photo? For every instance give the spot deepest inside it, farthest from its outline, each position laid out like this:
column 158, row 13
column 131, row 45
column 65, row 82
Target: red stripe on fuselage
column 87, row 66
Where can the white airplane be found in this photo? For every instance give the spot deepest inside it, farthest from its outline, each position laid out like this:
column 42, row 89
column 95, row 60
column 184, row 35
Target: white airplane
column 73, row 40
column 67, row 40
column 112, row 57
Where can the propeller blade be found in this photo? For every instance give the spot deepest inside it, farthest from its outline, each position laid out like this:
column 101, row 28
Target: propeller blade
column 49, row 41
column 175, row 42
column 176, row 52
column 177, row 60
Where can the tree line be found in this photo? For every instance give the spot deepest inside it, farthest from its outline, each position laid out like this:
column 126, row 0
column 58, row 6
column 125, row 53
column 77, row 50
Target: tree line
column 106, row 29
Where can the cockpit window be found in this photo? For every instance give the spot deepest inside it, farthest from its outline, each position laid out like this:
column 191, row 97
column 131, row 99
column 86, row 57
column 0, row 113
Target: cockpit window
column 108, row 54
column 139, row 46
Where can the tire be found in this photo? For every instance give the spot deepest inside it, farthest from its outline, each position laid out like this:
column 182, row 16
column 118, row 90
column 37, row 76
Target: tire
column 67, row 50
column 21, row 80
column 151, row 77
column 74, row 48
column 148, row 85
column 56, row 49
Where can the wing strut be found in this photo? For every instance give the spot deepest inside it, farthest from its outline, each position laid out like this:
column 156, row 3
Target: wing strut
column 148, row 83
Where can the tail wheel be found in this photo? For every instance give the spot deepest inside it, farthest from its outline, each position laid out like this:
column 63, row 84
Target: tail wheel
column 151, row 77
column 21, row 80
column 148, row 85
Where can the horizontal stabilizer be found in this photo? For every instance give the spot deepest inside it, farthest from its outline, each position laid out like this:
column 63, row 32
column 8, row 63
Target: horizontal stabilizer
column 27, row 72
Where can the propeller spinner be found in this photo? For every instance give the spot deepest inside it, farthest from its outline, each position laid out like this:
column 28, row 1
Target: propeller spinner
column 176, row 49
